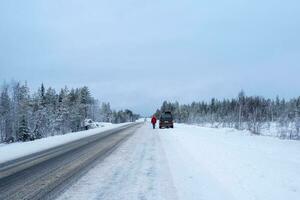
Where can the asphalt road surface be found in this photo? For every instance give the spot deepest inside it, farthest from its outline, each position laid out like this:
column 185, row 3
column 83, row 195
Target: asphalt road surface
column 54, row 171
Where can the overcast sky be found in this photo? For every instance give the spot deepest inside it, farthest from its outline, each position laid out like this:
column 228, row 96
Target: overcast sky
column 137, row 53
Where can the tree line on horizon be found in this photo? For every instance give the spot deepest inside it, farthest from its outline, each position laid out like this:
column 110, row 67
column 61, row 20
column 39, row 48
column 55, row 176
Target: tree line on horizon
column 46, row 112
column 243, row 112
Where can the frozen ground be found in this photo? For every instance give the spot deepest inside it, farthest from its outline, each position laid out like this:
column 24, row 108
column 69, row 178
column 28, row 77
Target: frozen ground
column 191, row 162
column 16, row 150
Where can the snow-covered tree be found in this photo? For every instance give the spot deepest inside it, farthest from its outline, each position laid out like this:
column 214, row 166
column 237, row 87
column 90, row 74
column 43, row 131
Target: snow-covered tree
column 5, row 114
column 105, row 112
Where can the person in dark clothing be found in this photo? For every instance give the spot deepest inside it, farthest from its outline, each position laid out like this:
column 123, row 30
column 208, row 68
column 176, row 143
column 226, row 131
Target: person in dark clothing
column 153, row 121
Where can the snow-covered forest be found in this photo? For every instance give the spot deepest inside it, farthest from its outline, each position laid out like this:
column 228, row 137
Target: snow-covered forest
column 25, row 115
column 259, row 115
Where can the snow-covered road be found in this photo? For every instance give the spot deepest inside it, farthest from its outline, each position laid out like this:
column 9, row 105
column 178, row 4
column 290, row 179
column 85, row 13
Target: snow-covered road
column 137, row 170
column 191, row 162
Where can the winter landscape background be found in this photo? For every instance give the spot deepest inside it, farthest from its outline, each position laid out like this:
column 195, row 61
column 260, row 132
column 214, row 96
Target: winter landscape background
column 25, row 115
column 81, row 79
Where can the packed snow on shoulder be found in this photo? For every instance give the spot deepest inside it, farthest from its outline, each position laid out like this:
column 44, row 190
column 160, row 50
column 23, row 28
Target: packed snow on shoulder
column 16, row 150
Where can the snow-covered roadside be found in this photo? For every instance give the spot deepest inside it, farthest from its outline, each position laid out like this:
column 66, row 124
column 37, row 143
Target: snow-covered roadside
column 17, row 150
column 210, row 163
column 272, row 129
column 137, row 170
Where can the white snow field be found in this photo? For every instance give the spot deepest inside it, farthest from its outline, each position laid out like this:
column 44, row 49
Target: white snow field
column 209, row 163
column 191, row 162
column 20, row 149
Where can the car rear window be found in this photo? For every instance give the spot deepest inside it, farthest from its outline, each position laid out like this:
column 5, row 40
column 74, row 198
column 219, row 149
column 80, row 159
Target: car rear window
column 166, row 116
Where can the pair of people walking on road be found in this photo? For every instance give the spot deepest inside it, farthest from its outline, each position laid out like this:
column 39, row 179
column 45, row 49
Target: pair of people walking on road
column 153, row 121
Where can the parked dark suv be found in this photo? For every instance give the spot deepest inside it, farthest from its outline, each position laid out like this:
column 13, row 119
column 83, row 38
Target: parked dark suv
column 166, row 120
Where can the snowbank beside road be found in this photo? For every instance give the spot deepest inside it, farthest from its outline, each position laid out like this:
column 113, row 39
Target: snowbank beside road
column 17, row 150
column 210, row 163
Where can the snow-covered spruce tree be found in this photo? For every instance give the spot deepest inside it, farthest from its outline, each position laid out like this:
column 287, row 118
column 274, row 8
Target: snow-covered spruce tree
column 51, row 104
column 40, row 114
column 62, row 114
column 76, row 117
column 5, row 116
column 23, row 103
column 15, row 108
column 23, row 133
column 85, row 102
column 241, row 104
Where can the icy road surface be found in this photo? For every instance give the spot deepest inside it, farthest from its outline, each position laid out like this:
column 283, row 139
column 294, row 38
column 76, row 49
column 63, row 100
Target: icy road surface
column 20, row 149
column 191, row 162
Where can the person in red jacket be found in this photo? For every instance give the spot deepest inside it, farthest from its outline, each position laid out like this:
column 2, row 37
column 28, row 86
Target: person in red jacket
column 153, row 121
